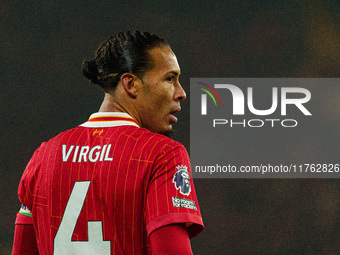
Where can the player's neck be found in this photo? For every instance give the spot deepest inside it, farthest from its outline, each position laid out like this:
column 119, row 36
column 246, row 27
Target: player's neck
column 111, row 104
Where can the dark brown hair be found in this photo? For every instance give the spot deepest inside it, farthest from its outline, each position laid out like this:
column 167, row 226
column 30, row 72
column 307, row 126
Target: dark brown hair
column 126, row 52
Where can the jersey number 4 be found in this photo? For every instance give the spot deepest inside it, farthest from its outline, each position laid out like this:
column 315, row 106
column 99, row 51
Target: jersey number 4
column 62, row 241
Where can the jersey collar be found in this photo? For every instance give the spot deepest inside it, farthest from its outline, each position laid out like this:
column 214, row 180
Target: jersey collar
column 110, row 119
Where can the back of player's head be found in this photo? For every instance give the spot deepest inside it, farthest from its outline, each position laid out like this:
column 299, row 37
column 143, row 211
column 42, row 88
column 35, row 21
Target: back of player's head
column 126, row 52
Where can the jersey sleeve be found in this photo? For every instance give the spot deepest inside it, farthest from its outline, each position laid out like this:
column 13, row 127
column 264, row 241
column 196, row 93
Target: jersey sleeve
column 162, row 240
column 28, row 180
column 171, row 196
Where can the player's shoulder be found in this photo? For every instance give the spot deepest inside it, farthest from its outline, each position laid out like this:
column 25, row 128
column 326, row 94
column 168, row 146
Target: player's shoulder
column 155, row 138
column 160, row 147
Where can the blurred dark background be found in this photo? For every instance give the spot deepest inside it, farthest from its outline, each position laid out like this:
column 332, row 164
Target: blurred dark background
column 42, row 45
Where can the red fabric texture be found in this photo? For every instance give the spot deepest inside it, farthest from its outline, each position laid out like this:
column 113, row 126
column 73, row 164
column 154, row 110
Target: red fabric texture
column 24, row 240
column 170, row 239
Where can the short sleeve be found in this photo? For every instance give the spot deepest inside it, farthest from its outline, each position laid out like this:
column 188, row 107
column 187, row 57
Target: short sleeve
column 171, row 196
column 28, row 179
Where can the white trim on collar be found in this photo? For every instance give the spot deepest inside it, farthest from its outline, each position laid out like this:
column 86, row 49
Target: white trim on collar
column 109, row 119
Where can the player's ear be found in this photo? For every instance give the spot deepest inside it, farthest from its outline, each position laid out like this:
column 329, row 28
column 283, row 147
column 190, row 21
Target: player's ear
column 130, row 84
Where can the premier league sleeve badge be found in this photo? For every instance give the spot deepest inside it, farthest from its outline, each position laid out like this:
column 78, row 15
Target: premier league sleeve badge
column 181, row 180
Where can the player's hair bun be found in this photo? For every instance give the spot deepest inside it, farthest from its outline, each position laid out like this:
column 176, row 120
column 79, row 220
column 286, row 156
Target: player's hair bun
column 126, row 52
column 89, row 68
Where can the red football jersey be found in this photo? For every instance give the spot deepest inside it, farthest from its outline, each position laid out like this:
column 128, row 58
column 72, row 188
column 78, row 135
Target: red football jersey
column 104, row 186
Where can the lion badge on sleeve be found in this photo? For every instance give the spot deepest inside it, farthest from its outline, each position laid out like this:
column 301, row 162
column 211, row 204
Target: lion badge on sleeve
column 181, row 180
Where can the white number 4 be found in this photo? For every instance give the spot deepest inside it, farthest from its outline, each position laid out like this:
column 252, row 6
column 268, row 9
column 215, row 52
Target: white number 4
column 62, row 240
